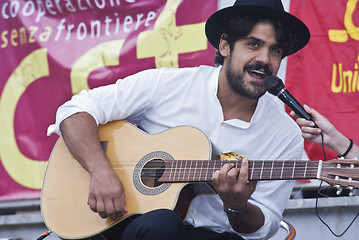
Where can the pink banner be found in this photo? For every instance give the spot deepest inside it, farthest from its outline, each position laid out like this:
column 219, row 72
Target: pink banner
column 324, row 75
column 52, row 49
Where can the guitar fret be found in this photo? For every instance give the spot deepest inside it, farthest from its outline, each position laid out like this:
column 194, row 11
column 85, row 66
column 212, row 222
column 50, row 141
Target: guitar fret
column 195, row 171
column 281, row 174
column 305, row 170
column 201, row 170
column 293, row 170
column 271, row 171
column 190, row 170
column 214, row 163
column 175, row 173
column 170, row 177
column 260, row 177
column 252, row 169
column 184, row 171
column 180, row 170
column 177, row 170
column 206, row 176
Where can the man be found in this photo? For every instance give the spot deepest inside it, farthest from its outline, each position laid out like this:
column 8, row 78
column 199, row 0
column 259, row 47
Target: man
column 228, row 103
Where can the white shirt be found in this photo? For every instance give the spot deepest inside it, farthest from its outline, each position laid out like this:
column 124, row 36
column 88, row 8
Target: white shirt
column 160, row 99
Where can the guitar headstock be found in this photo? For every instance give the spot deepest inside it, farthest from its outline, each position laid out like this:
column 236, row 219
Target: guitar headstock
column 341, row 173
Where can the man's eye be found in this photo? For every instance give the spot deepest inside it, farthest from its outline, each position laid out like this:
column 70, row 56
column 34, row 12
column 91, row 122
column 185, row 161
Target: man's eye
column 277, row 50
column 253, row 44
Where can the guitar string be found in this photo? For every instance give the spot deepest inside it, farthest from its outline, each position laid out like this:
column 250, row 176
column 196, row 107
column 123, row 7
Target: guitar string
column 265, row 169
column 274, row 172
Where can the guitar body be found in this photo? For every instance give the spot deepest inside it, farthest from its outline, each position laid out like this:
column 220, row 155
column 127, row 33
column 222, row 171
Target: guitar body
column 133, row 155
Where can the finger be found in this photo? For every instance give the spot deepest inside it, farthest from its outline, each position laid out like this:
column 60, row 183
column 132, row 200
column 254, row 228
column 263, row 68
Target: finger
column 308, row 136
column 92, row 204
column 222, row 176
column 293, row 114
column 309, row 110
column 232, row 175
column 215, row 178
column 100, row 206
column 310, row 130
column 110, row 209
column 314, row 113
column 243, row 172
column 120, row 207
column 304, row 122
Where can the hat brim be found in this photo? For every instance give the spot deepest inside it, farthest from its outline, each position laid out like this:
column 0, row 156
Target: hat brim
column 219, row 18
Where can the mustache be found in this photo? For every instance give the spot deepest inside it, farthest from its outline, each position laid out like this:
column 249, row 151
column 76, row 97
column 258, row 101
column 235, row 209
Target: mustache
column 258, row 66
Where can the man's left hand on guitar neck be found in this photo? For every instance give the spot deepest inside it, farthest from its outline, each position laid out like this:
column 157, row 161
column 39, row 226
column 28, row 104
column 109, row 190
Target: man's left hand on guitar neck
column 233, row 187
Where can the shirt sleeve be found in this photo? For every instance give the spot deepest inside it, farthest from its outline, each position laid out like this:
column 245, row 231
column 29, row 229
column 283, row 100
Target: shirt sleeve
column 127, row 99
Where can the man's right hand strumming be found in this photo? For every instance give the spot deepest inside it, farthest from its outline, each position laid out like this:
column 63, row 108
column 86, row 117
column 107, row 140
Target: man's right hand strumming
column 106, row 192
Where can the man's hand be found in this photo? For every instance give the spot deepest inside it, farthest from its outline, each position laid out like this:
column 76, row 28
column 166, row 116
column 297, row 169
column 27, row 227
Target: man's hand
column 232, row 185
column 107, row 195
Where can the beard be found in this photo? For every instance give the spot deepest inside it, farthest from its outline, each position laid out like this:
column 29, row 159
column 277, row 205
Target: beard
column 236, row 81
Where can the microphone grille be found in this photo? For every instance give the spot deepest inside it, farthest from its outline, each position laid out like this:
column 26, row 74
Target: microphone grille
column 273, row 85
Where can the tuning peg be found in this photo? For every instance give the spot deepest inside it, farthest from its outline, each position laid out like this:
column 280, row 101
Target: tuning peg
column 339, row 189
column 351, row 193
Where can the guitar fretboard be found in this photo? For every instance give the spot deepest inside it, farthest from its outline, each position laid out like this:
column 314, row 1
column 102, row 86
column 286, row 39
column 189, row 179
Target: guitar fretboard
column 203, row 170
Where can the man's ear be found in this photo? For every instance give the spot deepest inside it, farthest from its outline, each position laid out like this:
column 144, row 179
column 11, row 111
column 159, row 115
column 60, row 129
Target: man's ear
column 223, row 46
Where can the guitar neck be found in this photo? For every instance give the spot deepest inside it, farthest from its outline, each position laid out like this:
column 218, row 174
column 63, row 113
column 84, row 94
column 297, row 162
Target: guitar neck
column 203, row 170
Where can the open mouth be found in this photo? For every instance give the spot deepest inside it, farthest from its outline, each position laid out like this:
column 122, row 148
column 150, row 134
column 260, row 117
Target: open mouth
column 257, row 74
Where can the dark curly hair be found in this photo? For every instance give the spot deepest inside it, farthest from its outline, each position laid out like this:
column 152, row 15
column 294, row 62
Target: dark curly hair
column 241, row 26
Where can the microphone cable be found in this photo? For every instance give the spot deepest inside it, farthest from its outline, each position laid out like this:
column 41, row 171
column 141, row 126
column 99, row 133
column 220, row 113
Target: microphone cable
column 319, row 193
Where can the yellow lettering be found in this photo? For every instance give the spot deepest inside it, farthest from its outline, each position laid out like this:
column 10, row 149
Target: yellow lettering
column 4, row 39
column 27, row 172
column 348, row 81
column 348, row 78
column 352, row 30
column 105, row 54
column 33, row 30
column 167, row 40
column 339, row 36
column 342, row 35
column 336, row 88
column 13, row 37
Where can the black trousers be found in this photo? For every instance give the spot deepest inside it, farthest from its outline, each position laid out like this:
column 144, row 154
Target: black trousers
column 163, row 224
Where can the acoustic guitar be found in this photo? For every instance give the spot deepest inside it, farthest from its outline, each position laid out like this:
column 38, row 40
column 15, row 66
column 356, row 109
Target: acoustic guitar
column 165, row 170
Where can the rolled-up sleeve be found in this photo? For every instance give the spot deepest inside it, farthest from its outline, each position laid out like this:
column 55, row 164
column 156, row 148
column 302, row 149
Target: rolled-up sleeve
column 127, row 97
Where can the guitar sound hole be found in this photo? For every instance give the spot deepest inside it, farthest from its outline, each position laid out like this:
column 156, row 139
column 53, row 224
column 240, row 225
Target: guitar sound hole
column 151, row 172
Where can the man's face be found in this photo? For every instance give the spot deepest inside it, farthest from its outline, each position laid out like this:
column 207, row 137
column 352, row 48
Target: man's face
column 253, row 59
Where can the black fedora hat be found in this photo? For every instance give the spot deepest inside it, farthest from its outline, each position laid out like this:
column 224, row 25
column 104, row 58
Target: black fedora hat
column 267, row 8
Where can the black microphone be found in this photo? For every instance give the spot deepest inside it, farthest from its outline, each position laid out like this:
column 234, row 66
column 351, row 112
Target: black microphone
column 275, row 86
